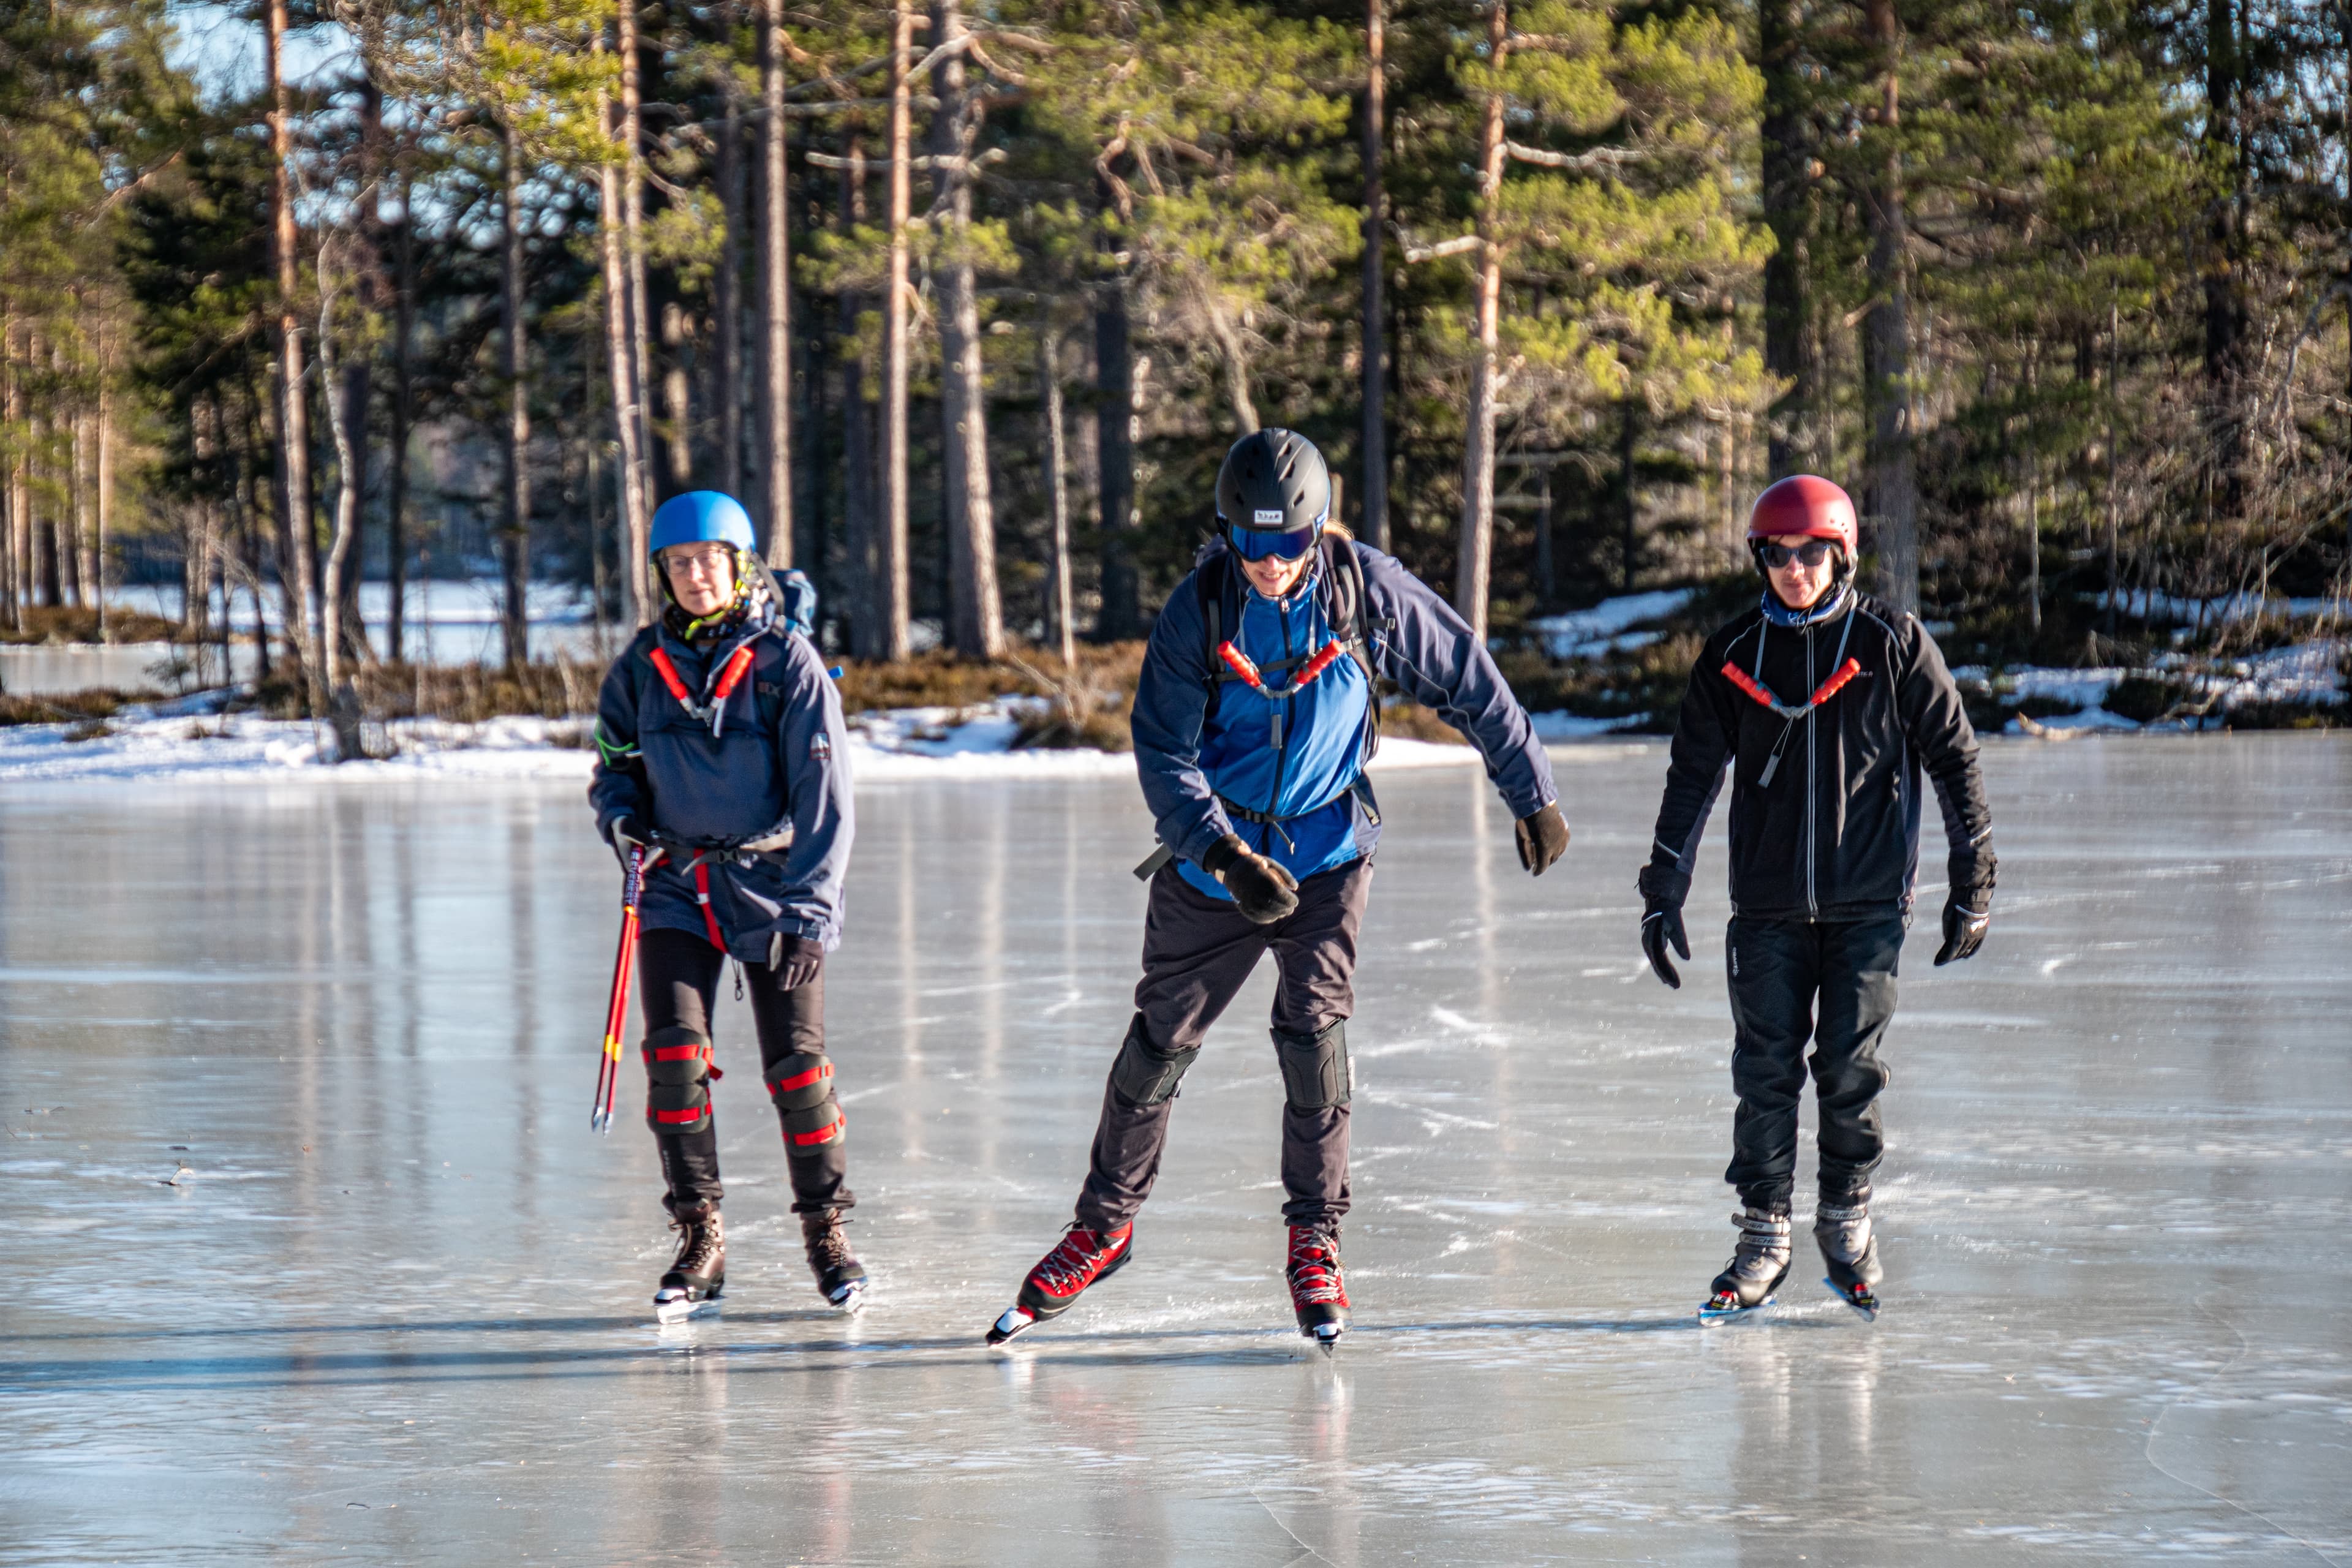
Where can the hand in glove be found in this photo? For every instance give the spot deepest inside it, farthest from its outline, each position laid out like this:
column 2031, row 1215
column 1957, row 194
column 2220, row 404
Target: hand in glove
column 625, row 838
column 1264, row 891
column 1543, row 838
column 1661, row 926
column 795, row 960
column 1967, row 915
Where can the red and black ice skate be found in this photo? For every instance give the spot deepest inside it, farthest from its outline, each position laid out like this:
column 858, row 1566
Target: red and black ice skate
column 1318, row 1289
column 1078, row 1261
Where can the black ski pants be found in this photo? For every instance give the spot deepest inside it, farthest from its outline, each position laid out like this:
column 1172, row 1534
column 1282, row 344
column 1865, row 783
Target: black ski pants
column 1830, row 983
column 680, row 972
column 1197, row 951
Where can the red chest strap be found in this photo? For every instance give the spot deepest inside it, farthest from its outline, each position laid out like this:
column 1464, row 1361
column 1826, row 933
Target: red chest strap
column 1827, row 690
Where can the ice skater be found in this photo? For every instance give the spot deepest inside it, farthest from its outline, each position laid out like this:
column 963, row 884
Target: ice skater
column 1254, row 719
column 1828, row 705
column 721, row 760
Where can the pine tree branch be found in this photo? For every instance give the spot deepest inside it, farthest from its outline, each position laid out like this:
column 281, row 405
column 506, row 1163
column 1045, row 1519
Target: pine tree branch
column 1585, row 162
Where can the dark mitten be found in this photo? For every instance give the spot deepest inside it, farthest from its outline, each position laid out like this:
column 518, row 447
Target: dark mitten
column 1543, row 838
column 1967, row 910
column 1662, row 927
column 795, row 960
column 1265, row 891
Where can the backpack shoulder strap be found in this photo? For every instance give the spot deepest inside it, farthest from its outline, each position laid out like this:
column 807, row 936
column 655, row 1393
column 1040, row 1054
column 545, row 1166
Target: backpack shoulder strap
column 1210, row 582
column 1349, row 613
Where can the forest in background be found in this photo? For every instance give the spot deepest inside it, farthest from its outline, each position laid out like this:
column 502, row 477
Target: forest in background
column 966, row 301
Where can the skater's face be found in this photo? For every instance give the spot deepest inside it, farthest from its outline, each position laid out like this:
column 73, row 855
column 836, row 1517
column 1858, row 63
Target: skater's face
column 1274, row 577
column 1798, row 585
column 701, row 576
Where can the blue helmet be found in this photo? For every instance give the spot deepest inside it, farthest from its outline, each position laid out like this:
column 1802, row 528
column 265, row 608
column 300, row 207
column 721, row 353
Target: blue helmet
column 700, row 515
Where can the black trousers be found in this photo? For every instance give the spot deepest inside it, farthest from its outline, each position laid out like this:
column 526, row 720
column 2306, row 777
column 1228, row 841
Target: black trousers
column 1197, row 951
column 1829, row 983
column 679, row 974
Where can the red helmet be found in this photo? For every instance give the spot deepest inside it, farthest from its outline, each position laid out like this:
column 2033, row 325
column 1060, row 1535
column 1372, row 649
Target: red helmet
column 1804, row 506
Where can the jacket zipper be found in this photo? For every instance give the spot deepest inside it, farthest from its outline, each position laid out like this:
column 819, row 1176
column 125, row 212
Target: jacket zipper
column 1812, row 791
column 1281, row 737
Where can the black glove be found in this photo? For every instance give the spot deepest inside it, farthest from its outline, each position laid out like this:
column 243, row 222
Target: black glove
column 1967, row 910
column 1661, row 926
column 1967, row 915
column 795, row 960
column 1265, row 891
column 624, row 837
column 1543, row 838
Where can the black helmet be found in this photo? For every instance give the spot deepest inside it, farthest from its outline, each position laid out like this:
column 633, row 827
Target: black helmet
column 1274, row 483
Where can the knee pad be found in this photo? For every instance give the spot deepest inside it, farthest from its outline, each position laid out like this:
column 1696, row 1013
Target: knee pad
column 802, row 1081
column 818, row 1127
column 1315, row 1066
column 1143, row 1072
column 678, row 1080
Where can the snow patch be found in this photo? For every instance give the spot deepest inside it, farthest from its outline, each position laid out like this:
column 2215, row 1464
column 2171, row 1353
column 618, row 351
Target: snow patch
column 1604, row 628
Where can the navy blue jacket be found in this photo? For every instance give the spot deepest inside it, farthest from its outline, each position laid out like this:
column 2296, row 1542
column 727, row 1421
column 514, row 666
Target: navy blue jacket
column 777, row 769
column 1187, row 758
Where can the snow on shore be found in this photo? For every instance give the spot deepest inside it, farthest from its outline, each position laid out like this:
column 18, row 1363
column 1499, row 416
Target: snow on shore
column 185, row 740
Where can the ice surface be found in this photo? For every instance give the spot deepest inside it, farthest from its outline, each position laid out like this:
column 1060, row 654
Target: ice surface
column 395, row 1309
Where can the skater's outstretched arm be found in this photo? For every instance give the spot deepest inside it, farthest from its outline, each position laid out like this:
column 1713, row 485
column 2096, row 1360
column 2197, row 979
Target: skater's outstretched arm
column 813, row 747
column 1435, row 657
column 1172, row 704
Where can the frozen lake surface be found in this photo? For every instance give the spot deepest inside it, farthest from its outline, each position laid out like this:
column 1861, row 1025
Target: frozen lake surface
column 395, row 1311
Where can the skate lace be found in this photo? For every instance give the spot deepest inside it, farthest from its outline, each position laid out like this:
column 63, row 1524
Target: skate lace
column 829, row 1249
column 1074, row 1260
column 698, row 1247
column 1314, row 1277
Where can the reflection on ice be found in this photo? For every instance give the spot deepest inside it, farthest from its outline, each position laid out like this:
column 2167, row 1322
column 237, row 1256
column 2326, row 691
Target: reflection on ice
column 396, row 1310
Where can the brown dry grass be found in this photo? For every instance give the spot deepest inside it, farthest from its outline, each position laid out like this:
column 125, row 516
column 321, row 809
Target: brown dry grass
column 71, row 623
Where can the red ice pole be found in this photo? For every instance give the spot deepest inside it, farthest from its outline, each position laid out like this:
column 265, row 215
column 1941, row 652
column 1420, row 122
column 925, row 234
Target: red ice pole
column 616, row 1010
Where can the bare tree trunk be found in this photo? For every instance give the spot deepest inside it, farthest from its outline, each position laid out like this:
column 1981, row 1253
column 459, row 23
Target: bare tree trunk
column 1627, row 495
column 1050, row 372
column 677, row 403
column 1373, row 526
column 889, row 638
column 1470, row 582
column 727, row 299
column 342, row 707
column 2225, row 290
column 105, row 511
column 1894, row 482
column 396, row 541
column 1121, row 615
column 293, row 410
column 775, row 377
column 621, row 340
column 514, row 496
column 366, row 236
column 1787, row 210
column 2114, row 469
column 633, row 227
column 858, row 421
column 975, row 614
column 74, row 552
column 13, row 536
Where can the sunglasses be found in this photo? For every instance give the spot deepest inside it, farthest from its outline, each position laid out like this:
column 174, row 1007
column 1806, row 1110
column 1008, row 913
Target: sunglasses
column 1253, row 545
column 1812, row 553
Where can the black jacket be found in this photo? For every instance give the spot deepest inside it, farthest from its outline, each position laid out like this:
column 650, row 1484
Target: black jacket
column 1834, row 835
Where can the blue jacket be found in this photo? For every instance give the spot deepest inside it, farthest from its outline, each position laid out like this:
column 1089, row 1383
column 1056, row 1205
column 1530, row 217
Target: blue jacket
column 1309, row 776
column 778, row 767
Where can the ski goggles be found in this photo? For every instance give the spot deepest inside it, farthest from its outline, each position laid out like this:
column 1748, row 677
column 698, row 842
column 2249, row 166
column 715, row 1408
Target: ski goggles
column 1812, row 553
column 1253, row 544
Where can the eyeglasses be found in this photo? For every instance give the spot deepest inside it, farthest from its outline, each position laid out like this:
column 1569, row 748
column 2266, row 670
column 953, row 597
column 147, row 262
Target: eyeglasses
column 1251, row 544
column 1812, row 553
column 704, row 560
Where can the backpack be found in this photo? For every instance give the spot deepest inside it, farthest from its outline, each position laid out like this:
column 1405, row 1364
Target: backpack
column 1346, row 605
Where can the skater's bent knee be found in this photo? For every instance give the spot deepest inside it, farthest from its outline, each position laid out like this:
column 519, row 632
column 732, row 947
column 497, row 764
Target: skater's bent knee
column 1315, row 1066
column 802, row 1081
column 678, row 1080
column 816, row 1127
column 1144, row 1073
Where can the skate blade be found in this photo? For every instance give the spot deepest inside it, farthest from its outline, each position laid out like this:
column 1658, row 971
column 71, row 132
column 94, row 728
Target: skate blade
column 1725, row 1314
column 682, row 1310
column 849, row 1299
column 1865, row 1302
column 1015, row 1320
column 1324, row 1337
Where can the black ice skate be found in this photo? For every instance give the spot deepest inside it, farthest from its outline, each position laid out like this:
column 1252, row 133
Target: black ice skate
column 1850, row 1246
column 1757, row 1269
column 1079, row 1259
column 1318, row 1289
column 839, row 1275
column 691, row 1289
